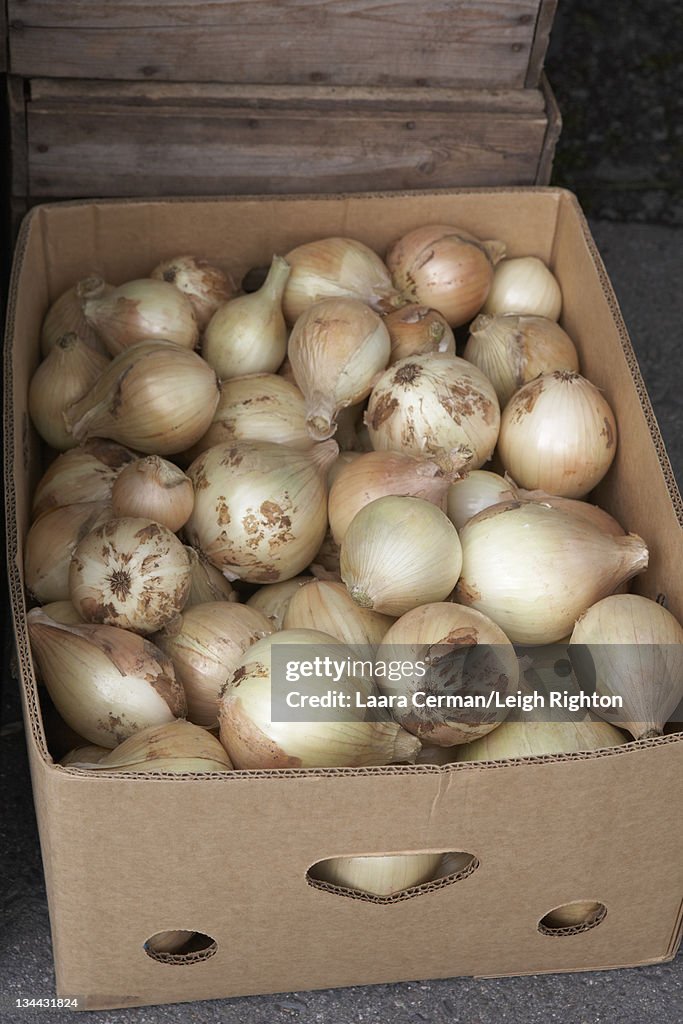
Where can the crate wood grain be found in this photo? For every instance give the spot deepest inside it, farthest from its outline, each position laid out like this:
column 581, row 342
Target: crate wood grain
column 445, row 43
column 94, row 139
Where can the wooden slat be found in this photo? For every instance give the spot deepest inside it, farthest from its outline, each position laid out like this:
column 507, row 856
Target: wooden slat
column 338, row 42
column 16, row 107
column 544, row 24
column 86, row 150
column 554, row 118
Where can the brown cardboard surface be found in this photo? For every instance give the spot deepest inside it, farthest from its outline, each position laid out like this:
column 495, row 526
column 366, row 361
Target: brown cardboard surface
column 128, row 857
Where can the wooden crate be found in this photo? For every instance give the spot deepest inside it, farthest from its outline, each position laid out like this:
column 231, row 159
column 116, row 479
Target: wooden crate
column 403, row 44
column 89, row 139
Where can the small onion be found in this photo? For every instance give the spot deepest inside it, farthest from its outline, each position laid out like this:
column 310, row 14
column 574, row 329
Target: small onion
column 248, row 334
column 68, row 371
column 512, row 350
column 328, row 607
column 336, row 268
column 142, row 310
column 260, row 510
column 206, row 286
column 341, row 738
column 467, row 655
column 416, row 330
column 130, row 572
column 106, row 682
column 153, row 488
column 432, row 404
column 558, row 433
column 399, row 553
column 445, row 268
column 156, row 397
column 524, row 285
column 337, row 348
column 206, row 644
column 534, row 569
column 476, row 491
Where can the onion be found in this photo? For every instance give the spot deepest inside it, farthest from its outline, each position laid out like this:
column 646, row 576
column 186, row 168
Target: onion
column 68, row 371
column 153, row 488
column 558, row 434
column 525, row 286
column 417, row 330
column 142, row 310
column 86, row 473
column 445, row 268
column 432, row 404
column 207, row 287
column 476, row 491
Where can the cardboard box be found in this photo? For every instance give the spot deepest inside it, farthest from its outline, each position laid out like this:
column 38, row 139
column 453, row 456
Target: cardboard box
column 126, row 858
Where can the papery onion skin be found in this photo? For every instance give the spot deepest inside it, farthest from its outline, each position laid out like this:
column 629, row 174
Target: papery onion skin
column 376, row 474
column 175, row 747
column 512, row 350
column 207, row 582
column 445, row 268
column 525, row 286
column 558, row 434
column 257, row 407
column 68, row 371
column 66, row 314
column 341, row 739
column 205, row 285
column 106, row 682
column 142, row 310
column 337, row 268
column 399, row 553
column 430, row 405
column 531, row 737
column 534, row 569
column 273, row 598
column 327, row 606
column 438, row 634
column 418, row 330
column 153, row 488
column 85, row 473
column 130, row 572
column 336, row 348
column 155, row 397
column 260, row 511
column 50, row 544
column 206, row 644
column 635, row 652
column 476, row 491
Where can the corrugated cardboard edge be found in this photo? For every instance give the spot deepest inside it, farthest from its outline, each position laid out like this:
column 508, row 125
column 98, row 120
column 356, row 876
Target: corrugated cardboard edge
column 17, row 596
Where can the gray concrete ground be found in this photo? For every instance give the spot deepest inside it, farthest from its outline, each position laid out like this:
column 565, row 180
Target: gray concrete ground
column 621, row 152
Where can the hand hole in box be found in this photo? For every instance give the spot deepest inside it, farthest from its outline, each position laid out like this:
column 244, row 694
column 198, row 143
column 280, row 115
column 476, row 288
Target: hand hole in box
column 179, row 946
column 573, row 918
column 390, row 878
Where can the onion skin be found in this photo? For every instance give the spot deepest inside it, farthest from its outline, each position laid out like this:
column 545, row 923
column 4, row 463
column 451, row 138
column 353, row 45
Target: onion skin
column 273, row 599
column 142, row 310
column 68, row 371
column 66, row 314
column 432, row 404
column 524, row 286
column 85, row 473
column 531, row 738
column 50, row 544
column 418, row 330
column 445, row 268
column 558, row 434
column 206, row 286
column 260, row 511
column 534, row 569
